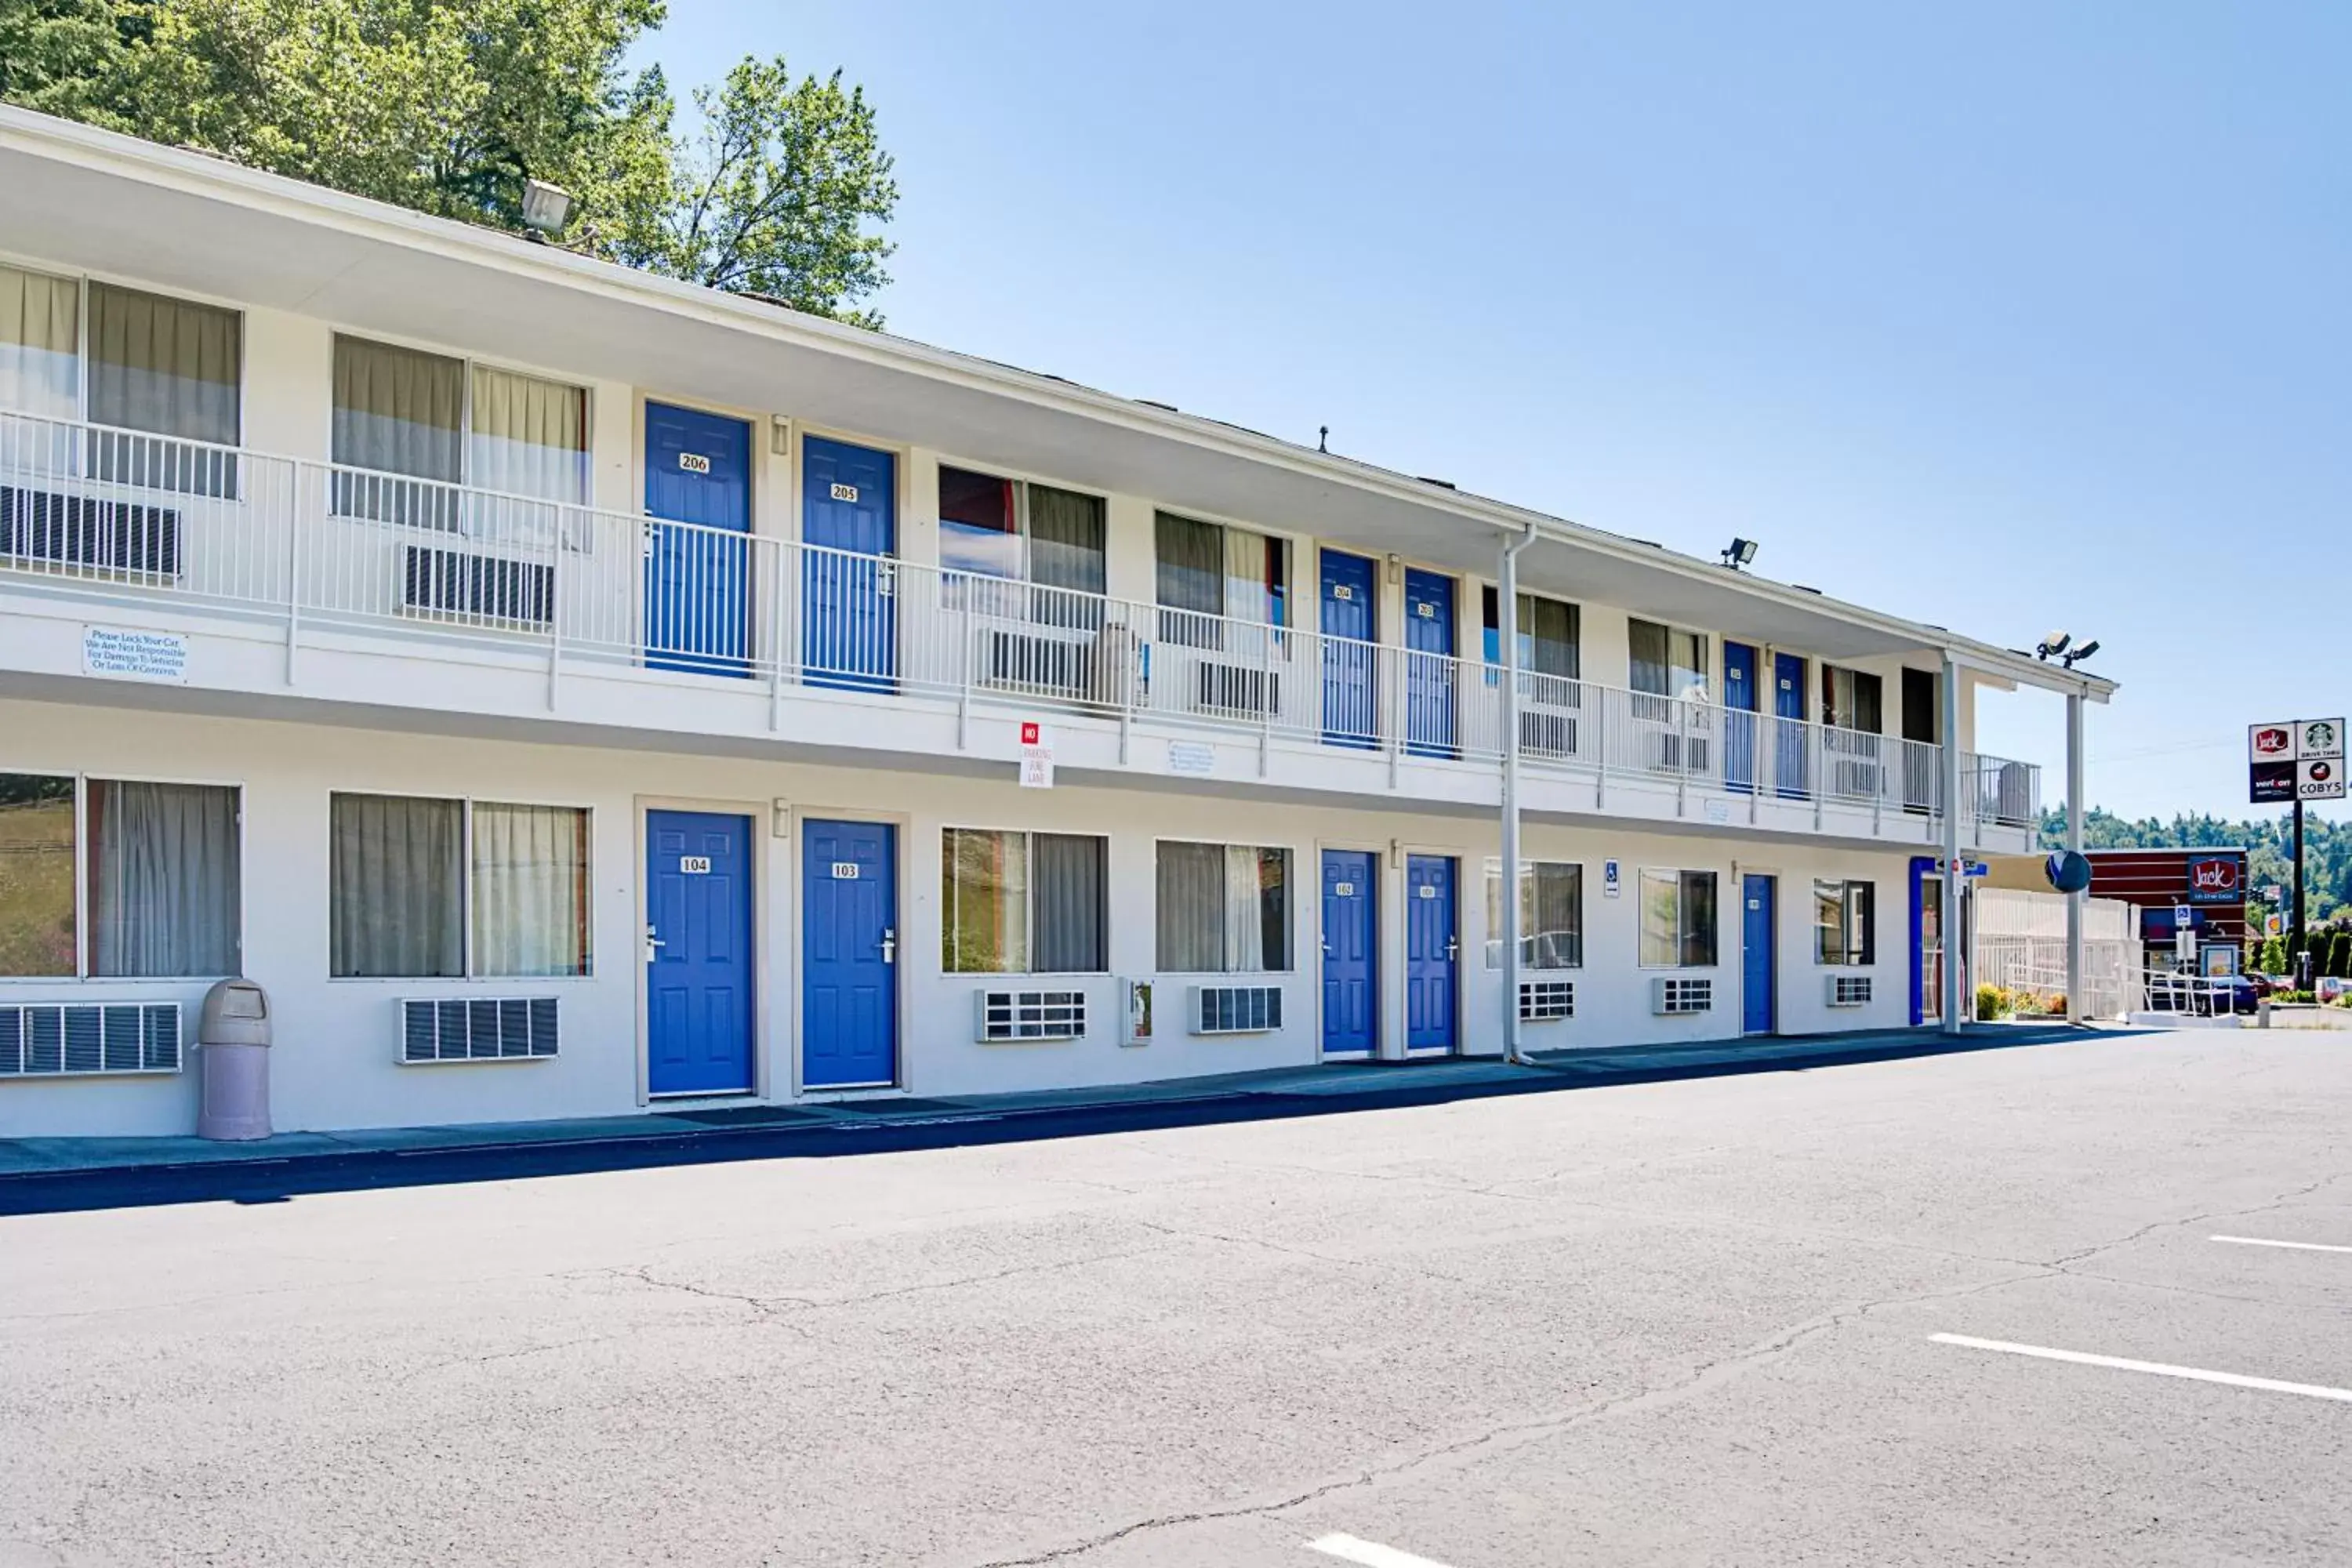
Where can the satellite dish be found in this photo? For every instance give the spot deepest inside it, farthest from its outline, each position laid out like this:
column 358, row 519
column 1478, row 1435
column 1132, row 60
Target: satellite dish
column 2070, row 872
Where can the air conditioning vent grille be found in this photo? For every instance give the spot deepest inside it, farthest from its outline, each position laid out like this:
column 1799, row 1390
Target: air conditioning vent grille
column 1032, row 1016
column 477, row 1029
column 1236, row 1009
column 1545, row 1001
column 87, row 1040
column 1675, row 997
column 1849, row 990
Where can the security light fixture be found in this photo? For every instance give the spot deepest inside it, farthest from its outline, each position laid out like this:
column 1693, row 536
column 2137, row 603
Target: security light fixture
column 2051, row 647
column 1740, row 554
column 545, row 206
column 2084, row 652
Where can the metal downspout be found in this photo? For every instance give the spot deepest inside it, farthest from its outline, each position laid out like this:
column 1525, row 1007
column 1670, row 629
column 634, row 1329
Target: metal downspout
column 1506, row 617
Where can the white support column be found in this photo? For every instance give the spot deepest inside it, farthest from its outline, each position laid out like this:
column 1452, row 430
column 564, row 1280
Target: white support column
column 2075, row 809
column 1507, row 598
column 1953, row 878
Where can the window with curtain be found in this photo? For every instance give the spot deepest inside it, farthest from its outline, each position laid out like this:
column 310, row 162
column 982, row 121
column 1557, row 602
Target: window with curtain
column 1223, row 909
column 1551, row 915
column 1678, row 919
column 164, row 887
column 1549, row 633
column 37, row 833
column 1852, row 699
column 1205, row 571
column 159, row 896
column 1846, row 923
column 1022, row 903
column 395, row 905
column 531, row 904
column 163, row 367
column 408, row 422
column 1021, row 531
column 40, row 345
column 979, row 526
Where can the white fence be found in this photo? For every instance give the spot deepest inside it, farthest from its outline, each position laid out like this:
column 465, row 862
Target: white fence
column 116, row 513
column 2020, row 944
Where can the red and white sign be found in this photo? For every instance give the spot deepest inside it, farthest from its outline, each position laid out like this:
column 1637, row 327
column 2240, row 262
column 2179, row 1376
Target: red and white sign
column 2319, row 778
column 1036, row 756
column 2214, row 879
column 2270, row 743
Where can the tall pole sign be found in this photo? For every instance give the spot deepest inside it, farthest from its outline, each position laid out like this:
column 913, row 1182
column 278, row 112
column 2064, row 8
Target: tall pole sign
column 2297, row 760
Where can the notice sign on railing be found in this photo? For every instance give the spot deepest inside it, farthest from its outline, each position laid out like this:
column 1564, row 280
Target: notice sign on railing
column 118, row 653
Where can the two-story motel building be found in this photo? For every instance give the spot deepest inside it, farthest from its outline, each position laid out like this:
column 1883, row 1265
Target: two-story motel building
column 571, row 692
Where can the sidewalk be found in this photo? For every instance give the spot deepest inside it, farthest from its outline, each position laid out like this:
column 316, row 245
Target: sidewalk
column 1234, row 1096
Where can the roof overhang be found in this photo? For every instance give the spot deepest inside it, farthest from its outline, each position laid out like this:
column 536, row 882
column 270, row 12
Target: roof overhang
column 110, row 203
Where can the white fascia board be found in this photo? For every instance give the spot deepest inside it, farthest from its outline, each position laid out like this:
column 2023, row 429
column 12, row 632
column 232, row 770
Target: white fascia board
column 202, row 175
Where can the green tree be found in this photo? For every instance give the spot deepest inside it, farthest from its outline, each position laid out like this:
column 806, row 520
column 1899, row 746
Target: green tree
column 449, row 106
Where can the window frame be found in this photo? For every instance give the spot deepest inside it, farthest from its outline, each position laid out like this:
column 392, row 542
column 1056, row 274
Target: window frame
column 1029, row 906
column 1494, row 943
column 1285, row 599
column 1705, row 645
column 1642, row 877
column 82, row 278
column 82, row 780
column 1022, row 536
column 465, row 364
column 1832, row 713
column 1291, row 913
column 1852, row 953
column 468, row 947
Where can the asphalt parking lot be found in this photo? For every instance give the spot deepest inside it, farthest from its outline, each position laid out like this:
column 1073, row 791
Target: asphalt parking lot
column 2085, row 1302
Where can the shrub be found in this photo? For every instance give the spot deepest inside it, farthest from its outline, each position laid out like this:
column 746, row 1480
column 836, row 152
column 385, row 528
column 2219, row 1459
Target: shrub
column 1994, row 1002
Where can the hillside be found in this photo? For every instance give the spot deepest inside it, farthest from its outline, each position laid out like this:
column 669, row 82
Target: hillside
column 2327, row 848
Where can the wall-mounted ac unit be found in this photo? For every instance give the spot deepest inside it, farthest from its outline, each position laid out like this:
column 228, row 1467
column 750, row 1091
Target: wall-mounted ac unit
column 74, row 1039
column 477, row 1029
column 1235, row 1009
column 1007, row 1016
column 79, row 530
column 1543, row 1001
column 1546, row 732
column 1673, row 753
column 1857, row 780
column 1042, row 663
column 1674, row 997
column 1237, row 691
column 1849, row 990
column 480, row 587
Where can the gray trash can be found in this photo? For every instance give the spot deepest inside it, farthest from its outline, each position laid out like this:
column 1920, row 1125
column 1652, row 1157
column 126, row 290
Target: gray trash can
column 233, row 1043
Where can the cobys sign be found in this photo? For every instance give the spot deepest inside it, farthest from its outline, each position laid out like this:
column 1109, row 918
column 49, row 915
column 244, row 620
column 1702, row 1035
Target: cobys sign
column 2299, row 760
column 2217, row 879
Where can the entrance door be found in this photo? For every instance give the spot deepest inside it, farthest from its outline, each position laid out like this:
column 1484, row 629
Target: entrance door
column 1926, row 942
column 1351, row 943
column 849, row 517
column 1432, row 953
column 1790, row 768
column 698, row 546
column 1429, row 664
column 698, row 955
column 1351, row 687
column 1760, row 956
column 850, row 954
column 1740, row 699
column 1923, row 692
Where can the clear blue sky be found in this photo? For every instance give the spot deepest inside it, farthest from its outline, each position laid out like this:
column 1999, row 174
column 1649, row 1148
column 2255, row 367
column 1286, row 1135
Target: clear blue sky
column 2005, row 317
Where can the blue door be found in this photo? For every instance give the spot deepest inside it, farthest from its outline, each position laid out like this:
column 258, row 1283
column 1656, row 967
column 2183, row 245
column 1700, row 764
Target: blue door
column 1430, row 951
column 1759, row 971
column 1789, row 770
column 1352, row 686
column 849, row 600
column 697, row 548
column 699, row 953
column 1429, row 680
column 1741, row 699
column 1351, row 967
column 849, row 952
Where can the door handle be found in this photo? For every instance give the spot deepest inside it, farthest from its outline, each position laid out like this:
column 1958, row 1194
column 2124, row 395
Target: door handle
column 653, row 945
column 1452, row 948
column 889, row 944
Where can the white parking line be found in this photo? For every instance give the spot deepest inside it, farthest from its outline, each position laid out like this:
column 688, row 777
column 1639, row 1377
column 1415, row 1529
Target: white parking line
column 2289, row 1246
column 1370, row 1553
column 2195, row 1374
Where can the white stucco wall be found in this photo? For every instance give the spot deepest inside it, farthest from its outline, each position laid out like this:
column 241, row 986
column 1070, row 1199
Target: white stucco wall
column 335, row 1067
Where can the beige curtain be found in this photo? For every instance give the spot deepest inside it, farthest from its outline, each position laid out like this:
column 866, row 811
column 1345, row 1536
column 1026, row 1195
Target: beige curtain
column 528, row 437
column 397, row 410
column 164, row 365
column 1244, row 912
column 531, row 891
column 394, row 907
column 40, row 342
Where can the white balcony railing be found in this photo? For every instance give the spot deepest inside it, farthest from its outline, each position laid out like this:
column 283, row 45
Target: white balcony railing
column 120, row 514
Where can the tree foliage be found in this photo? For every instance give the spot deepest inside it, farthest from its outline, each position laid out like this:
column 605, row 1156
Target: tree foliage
column 449, row 106
column 2326, row 851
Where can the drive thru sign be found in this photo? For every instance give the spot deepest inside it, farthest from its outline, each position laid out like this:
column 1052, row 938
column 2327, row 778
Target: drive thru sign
column 2300, row 759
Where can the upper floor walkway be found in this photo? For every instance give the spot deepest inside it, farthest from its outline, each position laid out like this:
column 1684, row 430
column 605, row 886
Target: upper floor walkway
column 291, row 583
